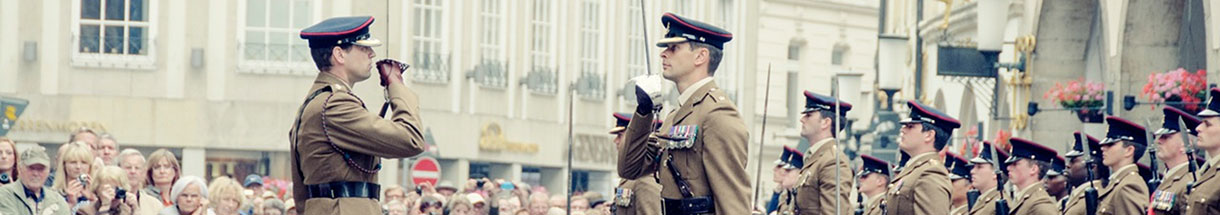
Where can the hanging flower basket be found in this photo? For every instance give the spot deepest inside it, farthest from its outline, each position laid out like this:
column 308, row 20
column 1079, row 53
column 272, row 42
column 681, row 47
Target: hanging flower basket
column 1085, row 98
column 1178, row 88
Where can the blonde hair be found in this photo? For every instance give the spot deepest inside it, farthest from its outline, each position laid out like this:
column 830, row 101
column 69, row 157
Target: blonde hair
column 224, row 188
column 459, row 200
column 109, row 174
column 158, row 156
column 16, row 157
column 74, row 151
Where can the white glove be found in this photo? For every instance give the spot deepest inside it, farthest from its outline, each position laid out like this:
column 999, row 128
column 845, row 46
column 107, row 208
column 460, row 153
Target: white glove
column 649, row 90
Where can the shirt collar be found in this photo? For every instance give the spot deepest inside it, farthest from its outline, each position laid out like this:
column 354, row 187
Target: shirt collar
column 36, row 197
column 690, row 91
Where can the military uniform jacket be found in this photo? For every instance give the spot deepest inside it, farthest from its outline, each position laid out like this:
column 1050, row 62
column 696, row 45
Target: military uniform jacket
column 13, row 201
column 1203, row 198
column 875, row 206
column 712, row 160
column 361, row 134
column 638, row 196
column 1075, row 202
column 786, row 203
column 816, row 189
column 961, row 210
column 1126, row 194
column 1170, row 197
column 1034, row 201
column 985, row 205
column 921, row 188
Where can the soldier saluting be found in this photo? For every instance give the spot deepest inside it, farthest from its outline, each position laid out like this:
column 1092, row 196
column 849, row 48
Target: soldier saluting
column 702, row 162
column 821, row 187
column 337, row 144
column 922, row 187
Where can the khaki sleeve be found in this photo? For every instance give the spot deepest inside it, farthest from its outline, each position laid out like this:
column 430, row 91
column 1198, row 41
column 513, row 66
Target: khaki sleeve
column 725, row 142
column 838, row 187
column 354, row 128
column 932, row 194
column 637, row 158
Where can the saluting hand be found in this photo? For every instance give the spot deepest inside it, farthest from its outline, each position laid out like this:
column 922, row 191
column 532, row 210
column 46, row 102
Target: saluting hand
column 391, row 71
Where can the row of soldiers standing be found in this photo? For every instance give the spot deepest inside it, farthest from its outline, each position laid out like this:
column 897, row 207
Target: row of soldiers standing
column 693, row 161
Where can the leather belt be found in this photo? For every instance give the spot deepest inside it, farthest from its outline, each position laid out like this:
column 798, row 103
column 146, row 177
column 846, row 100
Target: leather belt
column 344, row 189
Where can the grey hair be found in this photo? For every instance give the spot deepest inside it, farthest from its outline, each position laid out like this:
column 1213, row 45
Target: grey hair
column 185, row 181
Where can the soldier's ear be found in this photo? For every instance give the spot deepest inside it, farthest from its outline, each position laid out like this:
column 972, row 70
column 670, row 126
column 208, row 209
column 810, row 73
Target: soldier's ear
column 337, row 54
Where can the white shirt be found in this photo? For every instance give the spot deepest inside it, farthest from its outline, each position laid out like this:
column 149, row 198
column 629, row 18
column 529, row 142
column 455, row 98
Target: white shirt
column 691, row 90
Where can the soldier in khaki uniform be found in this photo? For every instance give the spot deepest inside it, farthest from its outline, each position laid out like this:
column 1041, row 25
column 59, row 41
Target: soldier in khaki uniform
column 1172, row 151
column 789, row 166
column 1202, row 197
column 337, row 144
column 641, row 195
column 702, row 161
column 1127, row 193
column 873, row 180
column 959, row 176
column 922, row 187
column 983, row 179
column 824, row 185
column 1026, row 167
column 1077, row 174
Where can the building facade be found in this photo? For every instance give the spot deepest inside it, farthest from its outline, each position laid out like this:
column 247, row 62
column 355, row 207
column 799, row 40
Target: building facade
column 502, row 83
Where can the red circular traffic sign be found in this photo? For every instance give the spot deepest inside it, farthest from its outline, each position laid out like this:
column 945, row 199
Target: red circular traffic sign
column 425, row 169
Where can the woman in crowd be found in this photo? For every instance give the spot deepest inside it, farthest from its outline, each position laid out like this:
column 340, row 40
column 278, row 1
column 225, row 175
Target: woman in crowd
column 75, row 162
column 430, row 205
column 8, row 161
column 110, row 186
column 273, row 206
column 460, row 205
column 163, row 173
column 189, row 195
column 225, row 196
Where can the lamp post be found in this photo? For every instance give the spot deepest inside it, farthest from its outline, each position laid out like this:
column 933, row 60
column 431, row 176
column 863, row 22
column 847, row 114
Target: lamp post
column 892, row 52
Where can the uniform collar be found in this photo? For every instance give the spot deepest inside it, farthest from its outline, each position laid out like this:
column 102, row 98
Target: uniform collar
column 690, row 91
column 1175, row 169
column 328, row 79
column 1119, row 171
column 1212, row 161
column 814, row 148
column 921, row 156
column 1022, row 191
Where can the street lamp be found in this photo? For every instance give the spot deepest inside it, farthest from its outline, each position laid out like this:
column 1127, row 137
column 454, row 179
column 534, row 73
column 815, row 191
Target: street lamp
column 892, row 54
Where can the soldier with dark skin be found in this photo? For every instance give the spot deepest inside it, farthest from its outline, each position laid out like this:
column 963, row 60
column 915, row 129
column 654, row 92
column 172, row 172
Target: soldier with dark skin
column 1078, row 170
column 701, row 160
column 337, row 144
column 922, row 187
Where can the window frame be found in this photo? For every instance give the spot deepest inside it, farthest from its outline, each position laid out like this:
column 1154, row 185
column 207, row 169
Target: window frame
column 147, row 61
column 298, row 68
column 444, row 50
